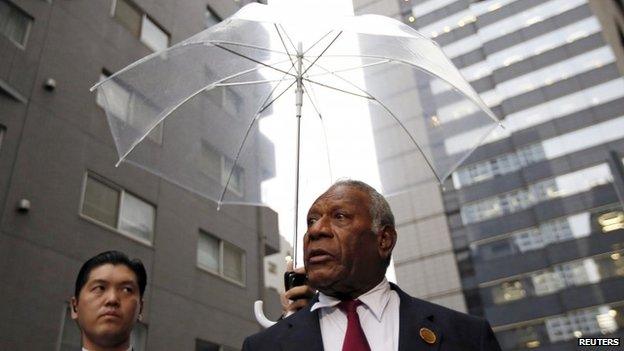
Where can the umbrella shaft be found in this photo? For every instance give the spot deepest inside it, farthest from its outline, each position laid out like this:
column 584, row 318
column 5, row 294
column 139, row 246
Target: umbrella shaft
column 298, row 103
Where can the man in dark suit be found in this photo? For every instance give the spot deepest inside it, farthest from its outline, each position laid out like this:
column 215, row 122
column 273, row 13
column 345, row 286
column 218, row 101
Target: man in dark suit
column 347, row 249
column 108, row 300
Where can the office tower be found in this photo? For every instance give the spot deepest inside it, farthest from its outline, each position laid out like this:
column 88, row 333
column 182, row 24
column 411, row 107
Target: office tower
column 534, row 218
column 63, row 201
column 424, row 259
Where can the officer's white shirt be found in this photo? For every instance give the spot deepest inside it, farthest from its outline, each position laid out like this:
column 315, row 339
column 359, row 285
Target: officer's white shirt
column 379, row 317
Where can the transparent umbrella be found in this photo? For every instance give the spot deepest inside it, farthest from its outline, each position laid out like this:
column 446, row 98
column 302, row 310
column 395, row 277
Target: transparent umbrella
column 262, row 109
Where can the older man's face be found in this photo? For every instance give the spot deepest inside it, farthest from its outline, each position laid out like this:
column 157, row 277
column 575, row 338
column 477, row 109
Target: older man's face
column 341, row 251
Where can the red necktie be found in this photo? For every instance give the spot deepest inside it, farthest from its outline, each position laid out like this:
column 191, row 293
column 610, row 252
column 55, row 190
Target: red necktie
column 354, row 339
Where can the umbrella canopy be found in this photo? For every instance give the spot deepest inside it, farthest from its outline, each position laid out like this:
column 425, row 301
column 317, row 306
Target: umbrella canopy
column 221, row 114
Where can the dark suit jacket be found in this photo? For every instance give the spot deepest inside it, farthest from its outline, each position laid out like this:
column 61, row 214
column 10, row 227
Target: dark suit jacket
column 455, row 331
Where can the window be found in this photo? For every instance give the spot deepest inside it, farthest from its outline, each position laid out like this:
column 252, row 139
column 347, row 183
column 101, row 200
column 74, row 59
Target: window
column 218, row 167
column 563, row 185
column 236, row 180
column 272, row 268
column 590, row 321
column 597, row 321
column 604, row 219
column 526, row 336
column 117, row 209
column 122, row 104
column 202, row 345
column 227, row 98
column 70, row 334
column 220, row 257
column 14, row 23
column 140, row 25
column 586, row 271
column 210, row 17
column 508, row 291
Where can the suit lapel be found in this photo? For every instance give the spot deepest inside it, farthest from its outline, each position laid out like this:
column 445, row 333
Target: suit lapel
column 416, row 325
column 304, row 331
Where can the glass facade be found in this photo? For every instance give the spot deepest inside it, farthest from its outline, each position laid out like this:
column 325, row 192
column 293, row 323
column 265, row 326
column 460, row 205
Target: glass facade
column 534, row 218
column 586, row 271
column 594, row 321
column 520, row 199
column 599, row 220
column 547, row 149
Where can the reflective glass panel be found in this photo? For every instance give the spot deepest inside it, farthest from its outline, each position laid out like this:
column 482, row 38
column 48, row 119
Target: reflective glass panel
column 153, row 36
column 233, row 259
column 100, row 202
column 208, row 252
column 137, row 217
column 129, row 16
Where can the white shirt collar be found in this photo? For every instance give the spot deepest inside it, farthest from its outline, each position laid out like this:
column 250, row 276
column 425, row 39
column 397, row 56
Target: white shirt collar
column 376, row 299
column 129, row 349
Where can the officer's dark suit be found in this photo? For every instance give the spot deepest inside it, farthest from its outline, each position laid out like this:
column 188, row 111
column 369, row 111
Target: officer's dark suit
column 454, row 331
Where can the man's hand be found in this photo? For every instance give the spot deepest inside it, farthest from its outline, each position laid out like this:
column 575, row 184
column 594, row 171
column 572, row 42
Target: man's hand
column 297, row 297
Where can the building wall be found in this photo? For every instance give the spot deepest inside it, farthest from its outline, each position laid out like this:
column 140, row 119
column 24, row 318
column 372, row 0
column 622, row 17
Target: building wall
column 53, row 138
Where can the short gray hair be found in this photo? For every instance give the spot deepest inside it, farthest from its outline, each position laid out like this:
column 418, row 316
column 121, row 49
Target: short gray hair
column 380, row 211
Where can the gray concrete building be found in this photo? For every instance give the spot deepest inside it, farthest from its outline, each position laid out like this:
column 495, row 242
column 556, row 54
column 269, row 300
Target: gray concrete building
column 534, row 222
column 63, row 201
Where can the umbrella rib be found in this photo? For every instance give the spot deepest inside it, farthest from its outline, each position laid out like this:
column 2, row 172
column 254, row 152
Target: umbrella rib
column 254, row 60
column 167, row 112
column 337, row 89
column 351, row 68
column 322, row 53
column 393, row 116
column 287, row 37
column 245, row 46
column 170, row 49
column 248, row 83
column 318, row 41
column 284, row 45
column 487, row 110
column 305, row 90
column 242, row 144
column 277, row 97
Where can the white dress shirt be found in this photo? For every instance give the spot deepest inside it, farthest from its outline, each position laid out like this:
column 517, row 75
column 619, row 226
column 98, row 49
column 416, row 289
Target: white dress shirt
column 379, row 317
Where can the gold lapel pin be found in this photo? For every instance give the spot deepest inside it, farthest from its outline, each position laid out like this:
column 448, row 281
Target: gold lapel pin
column 427, row 335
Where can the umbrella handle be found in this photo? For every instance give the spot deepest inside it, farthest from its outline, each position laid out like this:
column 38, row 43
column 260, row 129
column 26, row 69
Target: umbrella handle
column 260, row 317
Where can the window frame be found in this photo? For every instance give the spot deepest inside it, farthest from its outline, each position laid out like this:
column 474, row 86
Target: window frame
column 21, row 46
column 155, row 135
column 225, row 173
column 224, row 169
column 121, row 191
column 144, row 16
column 220, row 273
